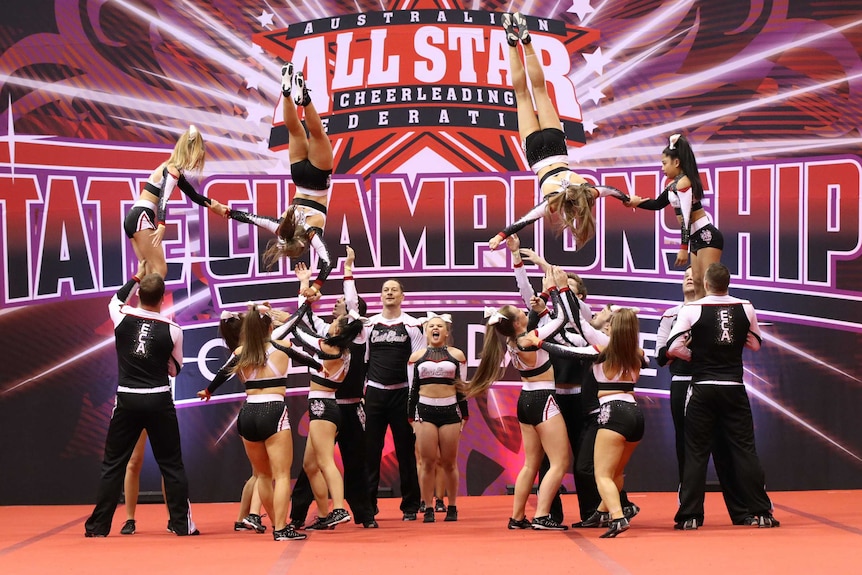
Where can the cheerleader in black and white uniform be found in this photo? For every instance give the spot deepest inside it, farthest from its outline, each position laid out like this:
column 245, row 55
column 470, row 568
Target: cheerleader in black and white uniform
column 311, row 163
column 263, row 421
column 325, row 416
column 685, row 193
column 563, row 190
column 144, row 224
column 542, row 427
column 437, row 410
column 621, row 425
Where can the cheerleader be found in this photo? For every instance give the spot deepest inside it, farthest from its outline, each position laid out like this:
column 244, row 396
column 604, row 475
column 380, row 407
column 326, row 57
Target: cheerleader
column 437, row 411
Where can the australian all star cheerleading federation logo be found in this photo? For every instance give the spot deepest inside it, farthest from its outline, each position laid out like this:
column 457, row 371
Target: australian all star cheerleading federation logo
column 424, row 76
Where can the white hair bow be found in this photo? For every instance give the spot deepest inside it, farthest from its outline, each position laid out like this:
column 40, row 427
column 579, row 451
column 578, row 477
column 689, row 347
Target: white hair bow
column 444, row 316
column 355, row 316
column 493, row 315
column 193, row 132
column 262, row 309
column 672, row 141
column 564, row 184
column 225, row 314
column 616, row 308
column 300, row 216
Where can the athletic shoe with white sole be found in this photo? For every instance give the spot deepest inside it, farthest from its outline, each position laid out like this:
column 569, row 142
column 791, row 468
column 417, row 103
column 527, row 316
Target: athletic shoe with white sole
column 286, row 79
column 520, row 22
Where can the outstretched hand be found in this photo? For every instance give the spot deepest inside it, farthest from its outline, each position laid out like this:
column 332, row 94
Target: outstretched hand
column 142, row 269
column 534, row 257
column 634, row 201
column 302, row 272
column 494, row 242
column 279, row 316
column 204, row 394
column 537, row 304
column 560, row 276
column 219, row 208
column 548, row 281
column 513, row 243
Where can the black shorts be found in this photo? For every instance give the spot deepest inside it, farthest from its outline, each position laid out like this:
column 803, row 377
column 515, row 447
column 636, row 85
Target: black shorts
column 544, row 144
column 706, row 237
column 623, row 417
column 439, row 415
column 260, row 421
column 305, row 175
column 324, row 408
column 139, row 218
column 535, row 407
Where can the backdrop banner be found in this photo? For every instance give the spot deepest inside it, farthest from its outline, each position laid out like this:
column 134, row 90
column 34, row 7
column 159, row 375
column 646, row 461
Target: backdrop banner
column 418, row 102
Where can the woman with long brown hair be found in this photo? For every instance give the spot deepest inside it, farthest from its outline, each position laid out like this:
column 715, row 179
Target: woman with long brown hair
column 613, row 374
column 263, row 423
column 542, row 427
column 564, row 191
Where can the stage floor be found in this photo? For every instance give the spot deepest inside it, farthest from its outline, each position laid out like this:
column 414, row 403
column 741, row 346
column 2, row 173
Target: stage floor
column 821, row 532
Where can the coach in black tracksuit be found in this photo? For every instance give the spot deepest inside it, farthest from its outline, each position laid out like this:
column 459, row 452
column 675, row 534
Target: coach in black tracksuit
column 712, row 333
column 149, row 350
column 679, row 385
column 392, row 337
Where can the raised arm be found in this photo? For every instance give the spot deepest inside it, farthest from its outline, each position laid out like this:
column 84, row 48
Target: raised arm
column 318, row 326
column 298, row 356
column 556, row 324
column 588, row 332
column 124, row 294
column 264, row 222
column 351, row 296
column 537, row 213
column 521, row 279
column 308, row 338
column 322, row 252
column 281, row 331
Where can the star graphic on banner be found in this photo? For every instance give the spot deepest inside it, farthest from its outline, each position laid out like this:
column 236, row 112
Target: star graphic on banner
column 594, row 94
column 265, row 19
column 278, row 168
column 589, row 126
column 256, row 113
column 581, row 8
column 251, row 83
column 256, row 49
column 596, row 61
